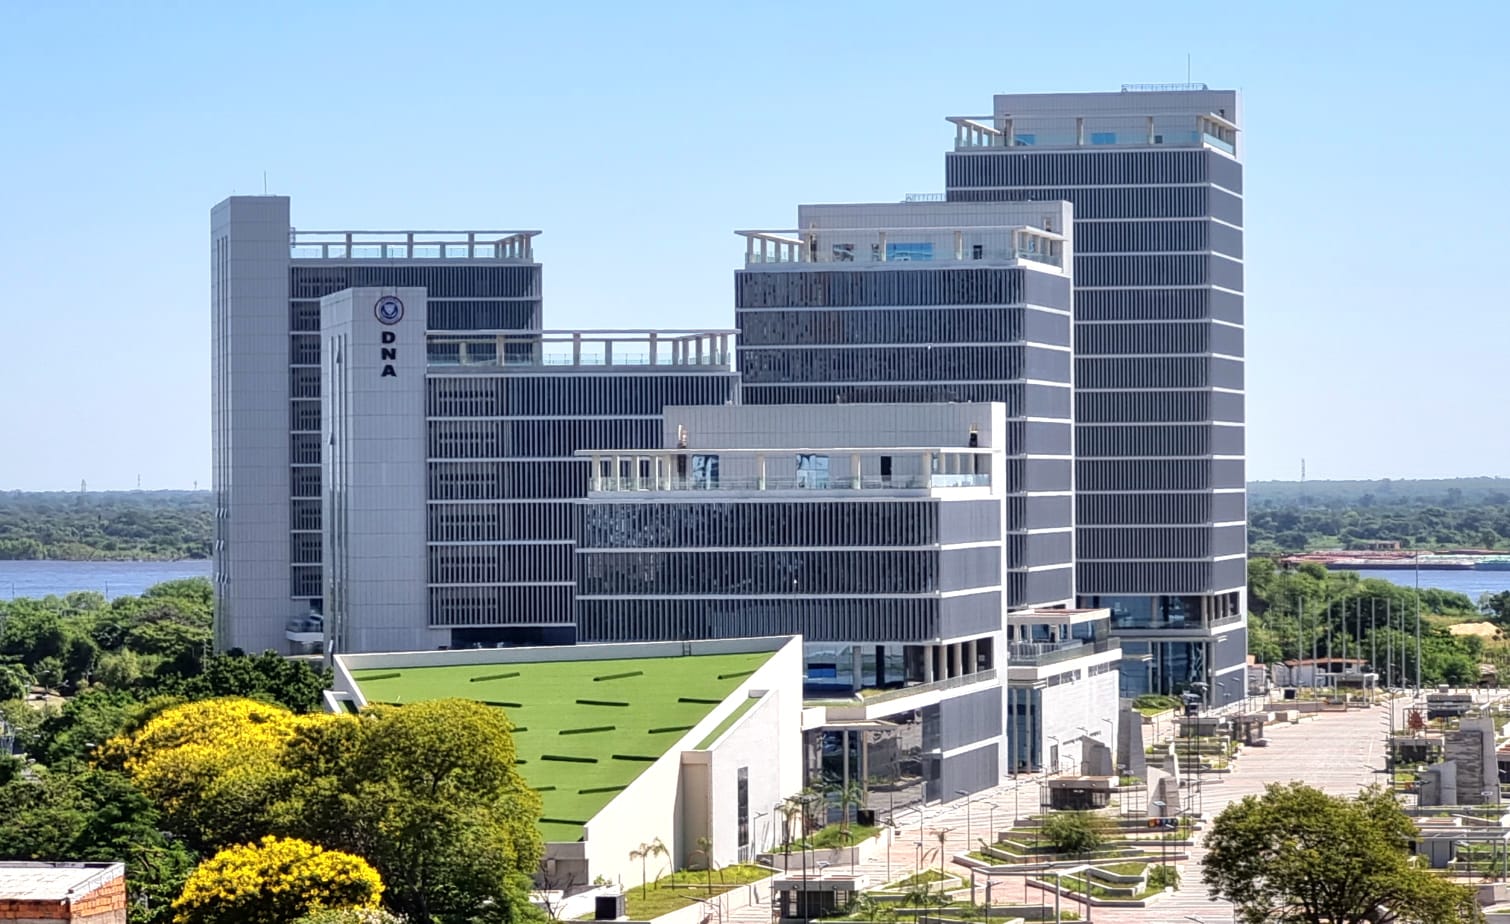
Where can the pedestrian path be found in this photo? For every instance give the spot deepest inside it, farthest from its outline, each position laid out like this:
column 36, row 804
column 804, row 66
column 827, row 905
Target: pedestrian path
column 1338, row 752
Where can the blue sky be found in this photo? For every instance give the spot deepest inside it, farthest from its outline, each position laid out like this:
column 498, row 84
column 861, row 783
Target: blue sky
column 638, row 137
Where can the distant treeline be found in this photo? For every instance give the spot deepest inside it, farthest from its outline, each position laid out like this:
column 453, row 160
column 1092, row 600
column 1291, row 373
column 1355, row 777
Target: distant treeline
column 1449, row 513
column 106, row 525
column 1440, row 492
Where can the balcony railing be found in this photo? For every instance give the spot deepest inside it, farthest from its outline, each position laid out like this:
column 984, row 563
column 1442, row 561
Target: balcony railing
column 1053, row 652
column 866, row 483
column 514, row 246
column 872, row 697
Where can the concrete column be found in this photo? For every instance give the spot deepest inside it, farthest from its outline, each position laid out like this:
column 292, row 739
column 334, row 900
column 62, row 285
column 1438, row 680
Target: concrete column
column 1150, row 129
column 854, row 470
column 881, row 240
column 760, row 472
column 1011, row 131
column 1080, row 131
column 972, row 657
column 595, row 477
column 954, row 660
column 651, row 346
column 926, row 651
column 880, row 665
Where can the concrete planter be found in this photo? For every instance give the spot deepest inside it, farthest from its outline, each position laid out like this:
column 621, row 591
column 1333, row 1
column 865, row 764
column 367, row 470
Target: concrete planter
column 863, row 852
column 736, row 899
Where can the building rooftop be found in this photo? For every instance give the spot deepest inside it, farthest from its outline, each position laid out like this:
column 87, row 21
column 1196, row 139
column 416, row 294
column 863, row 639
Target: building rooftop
column 584, row 729
column 857, row 247
column 583, row 350
column 54, row 882
column 348, row 246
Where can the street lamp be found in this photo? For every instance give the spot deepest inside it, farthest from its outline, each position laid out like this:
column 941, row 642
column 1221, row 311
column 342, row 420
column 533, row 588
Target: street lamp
column 991, row 822
column 961, row 792
column 1163, row 841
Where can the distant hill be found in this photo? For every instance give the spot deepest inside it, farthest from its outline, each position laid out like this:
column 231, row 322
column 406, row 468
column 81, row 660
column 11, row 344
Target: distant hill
column 1439, row 492
column 109, row 525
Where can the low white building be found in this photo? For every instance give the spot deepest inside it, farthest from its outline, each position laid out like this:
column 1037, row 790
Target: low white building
column 1062, row 687
column 626, row 743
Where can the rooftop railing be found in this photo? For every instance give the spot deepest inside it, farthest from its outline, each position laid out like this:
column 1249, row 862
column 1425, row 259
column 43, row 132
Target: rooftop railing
column 565, row 350
column 848, row 246
column 1038, row 653
column 512, row 246
column 628, row 483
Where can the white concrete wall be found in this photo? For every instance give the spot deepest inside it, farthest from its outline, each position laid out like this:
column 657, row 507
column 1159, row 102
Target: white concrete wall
column 1069, row 706
column 249, row 255
column 763, row 740
column 654, row 804
column 375, row 485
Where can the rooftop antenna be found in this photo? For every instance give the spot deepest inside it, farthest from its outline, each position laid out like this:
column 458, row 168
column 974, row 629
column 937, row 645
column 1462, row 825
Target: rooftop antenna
column 1187, row 80
column 264, row 173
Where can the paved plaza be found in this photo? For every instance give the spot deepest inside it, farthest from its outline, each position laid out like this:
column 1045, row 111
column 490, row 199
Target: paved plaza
column 1339, row 752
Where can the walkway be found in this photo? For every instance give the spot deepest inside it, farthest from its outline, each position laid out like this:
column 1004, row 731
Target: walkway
column 1336, row 751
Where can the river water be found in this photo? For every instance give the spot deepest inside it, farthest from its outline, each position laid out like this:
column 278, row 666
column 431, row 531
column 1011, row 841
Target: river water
column 111, row 578
column 117, row 578
column 1471, row 583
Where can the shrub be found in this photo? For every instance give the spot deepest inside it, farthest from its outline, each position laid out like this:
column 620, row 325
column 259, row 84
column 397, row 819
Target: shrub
column 1074, row 832
column 275, row 881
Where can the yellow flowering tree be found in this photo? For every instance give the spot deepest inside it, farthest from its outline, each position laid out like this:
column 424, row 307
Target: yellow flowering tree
column 275, row 881
column 213, row 767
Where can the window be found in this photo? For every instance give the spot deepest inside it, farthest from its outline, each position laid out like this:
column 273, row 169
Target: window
column 705, row 471
column 812, row 470
column 1027, row 139
column 977, row 251
column 743, row 800
column 1103, row 137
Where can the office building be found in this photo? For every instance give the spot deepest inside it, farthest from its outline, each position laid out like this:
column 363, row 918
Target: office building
column 433, row 456
column 931, row 302
column 1155, row 177
column 872, row 531
column 1062, row 680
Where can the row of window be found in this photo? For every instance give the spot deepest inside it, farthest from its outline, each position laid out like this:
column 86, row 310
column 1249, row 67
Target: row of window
column 491, row 606
column 1158, row 577
column 1021, row 400
column 1157, row 305
column 767, row 327
column 571, row 395
column 871, row 620
column 1029, row 475
column 1158, row 474
column 1158, row 270
column 523, row 314
column 1160, row 542
column 304, row 514
column 745, row 573
column 1141, row 339
column 1039, row 549
column 1142, row 236
column 491, row 480
column 304, row 481
column 1040, row 588
column 759, row 523
column 470, row 281
column 493, row 564
column 1091, row 168
column 1158, row 406
column 1093, row 442
column 304, row 415
column 304, row 548
column 1039, row 512
column 304, row 349
column 1163, row 372
column 502, row 522
column 492, row 439
column 900, row 286
column 921, row 363
column 306, row 581
column 1123, row 202
column 1157, row 509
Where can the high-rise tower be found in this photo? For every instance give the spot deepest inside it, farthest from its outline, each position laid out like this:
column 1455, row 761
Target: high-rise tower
column 1155, row 176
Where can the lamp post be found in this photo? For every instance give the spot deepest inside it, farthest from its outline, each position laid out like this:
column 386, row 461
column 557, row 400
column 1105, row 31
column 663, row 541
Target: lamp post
column 756, row 825
column 1163, row 839
column 966, row 796
column 991, row 822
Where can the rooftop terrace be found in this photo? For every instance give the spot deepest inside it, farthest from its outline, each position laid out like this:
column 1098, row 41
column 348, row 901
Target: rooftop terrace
column 854, row 247
column 568, row 350
column 512, row 246
column 584, row 730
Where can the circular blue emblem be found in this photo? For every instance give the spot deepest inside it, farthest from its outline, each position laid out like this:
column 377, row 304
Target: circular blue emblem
column 389, row 310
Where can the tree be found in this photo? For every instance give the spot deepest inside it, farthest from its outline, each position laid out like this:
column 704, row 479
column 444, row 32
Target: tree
column 275, row 881
column 1078, row 833
column 644, row 853
column 430, row 795
column 214, row 767
column 943, row 835
column 849, row 794
column 1296, row 855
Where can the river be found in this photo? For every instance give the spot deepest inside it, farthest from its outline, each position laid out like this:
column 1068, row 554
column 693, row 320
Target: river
column 1471, row 583
column 111, row 578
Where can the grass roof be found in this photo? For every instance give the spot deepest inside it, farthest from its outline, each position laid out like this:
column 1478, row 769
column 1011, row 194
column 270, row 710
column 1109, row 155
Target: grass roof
column 584, row 730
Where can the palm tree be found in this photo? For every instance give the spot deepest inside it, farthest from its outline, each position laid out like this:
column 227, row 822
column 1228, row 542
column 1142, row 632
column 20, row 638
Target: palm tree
column 705, row 847
column 643, row 853
column 789, row 809
column 852, row 793
column 942, row 834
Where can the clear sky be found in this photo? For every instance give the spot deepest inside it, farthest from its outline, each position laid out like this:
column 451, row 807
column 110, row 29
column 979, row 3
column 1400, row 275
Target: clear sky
column 638, row 137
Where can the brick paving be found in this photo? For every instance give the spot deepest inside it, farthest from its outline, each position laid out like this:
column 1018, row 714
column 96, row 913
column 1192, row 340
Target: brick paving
column 1336, row 751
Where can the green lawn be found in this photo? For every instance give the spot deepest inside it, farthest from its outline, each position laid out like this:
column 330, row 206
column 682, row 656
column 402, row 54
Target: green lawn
column 918, row 880
column 834, row 835
column 584, row 730
column 683, row 888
